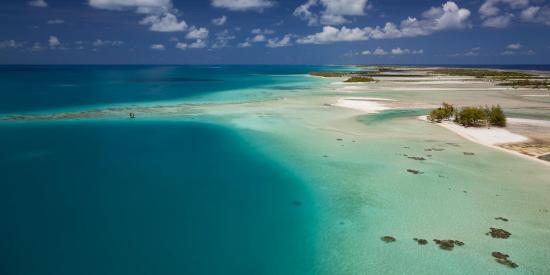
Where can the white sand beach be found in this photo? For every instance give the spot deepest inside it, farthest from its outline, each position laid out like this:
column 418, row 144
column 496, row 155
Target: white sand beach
column 368, row 105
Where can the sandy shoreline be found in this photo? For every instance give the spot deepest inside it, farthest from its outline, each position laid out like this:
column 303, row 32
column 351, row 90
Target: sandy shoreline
column 491, row 137
column 368, row 105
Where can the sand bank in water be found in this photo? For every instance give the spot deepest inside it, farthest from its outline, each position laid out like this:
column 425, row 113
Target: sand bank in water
column 365, row 104
column 493, row 137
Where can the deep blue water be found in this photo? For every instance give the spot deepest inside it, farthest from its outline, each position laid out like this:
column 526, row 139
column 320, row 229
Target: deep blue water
column 28, row 88
column 147, row 198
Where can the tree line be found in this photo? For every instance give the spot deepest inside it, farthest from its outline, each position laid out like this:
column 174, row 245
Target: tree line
column 470, row 116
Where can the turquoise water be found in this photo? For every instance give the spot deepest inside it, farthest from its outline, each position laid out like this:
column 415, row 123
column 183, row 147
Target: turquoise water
column 147, row 198
column 39, row 88
column 202, row 185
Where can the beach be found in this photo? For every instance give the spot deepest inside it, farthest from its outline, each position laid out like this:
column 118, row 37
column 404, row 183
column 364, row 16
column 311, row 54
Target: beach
column 372, row 168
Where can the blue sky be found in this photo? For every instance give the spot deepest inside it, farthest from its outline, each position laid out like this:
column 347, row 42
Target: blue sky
column 274, row 32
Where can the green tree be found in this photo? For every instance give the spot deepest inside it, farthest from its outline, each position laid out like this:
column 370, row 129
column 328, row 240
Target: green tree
column 497, row 117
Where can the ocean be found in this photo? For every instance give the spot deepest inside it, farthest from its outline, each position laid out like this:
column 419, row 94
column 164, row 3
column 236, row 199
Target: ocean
column 257, row 172
column 145, row 197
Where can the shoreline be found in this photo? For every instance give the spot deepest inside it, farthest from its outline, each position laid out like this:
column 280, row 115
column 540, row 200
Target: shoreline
column 491, row 138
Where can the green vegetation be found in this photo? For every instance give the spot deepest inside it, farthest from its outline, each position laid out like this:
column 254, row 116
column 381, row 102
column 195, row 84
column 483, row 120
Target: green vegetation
column 537, row 84
column 500, row 75
column 446, row 111
column 470, row 116
column 360, row 79
column 506, row 78
column 497, row 116
column 329, row 74
column 352, row 76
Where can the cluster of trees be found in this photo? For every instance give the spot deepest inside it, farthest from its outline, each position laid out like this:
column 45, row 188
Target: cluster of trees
column 470, row 116
column 360, row 79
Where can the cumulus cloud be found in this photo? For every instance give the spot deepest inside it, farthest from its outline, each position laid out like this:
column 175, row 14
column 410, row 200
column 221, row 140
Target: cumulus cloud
column 101, row 43
column 36, row 47
column 6, row 44
column 222, row 39
column 54, row 42
column 55, row 21
column 500, row 21
column 514, row 46
column 277, row 43
column 500, row 13
column 181, row 45
column 243, row 5
column 245, row 44
column 140, row 6
column 258, row 38
column 199, row 44
column 219, row 21
column 332, row 34
column 395, row 51
column 332, row 12
column 158, row 47
column 164, row 23
column 399, row 51
column 448, row 16
column 38, row 3
column 161, row 16
column 379, row 51
column 200, row 33
column 259, row 35
column 262, row 31
column 536, row 14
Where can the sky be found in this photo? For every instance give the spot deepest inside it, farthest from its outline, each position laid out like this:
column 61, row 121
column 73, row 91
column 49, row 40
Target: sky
column 274, row 32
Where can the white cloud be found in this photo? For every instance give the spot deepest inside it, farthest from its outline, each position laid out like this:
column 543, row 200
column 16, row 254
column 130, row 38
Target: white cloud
column 395, row 51
column 344, row 7
column 508, row 53
column 161, row 16
column 333, row 11
column 399, row 51
column 158, row 47
column 331, row 19
column 262, row 31
column 304, row 13
column 38, row 3
column 100, row 43
column 245, row 44
column 473, row 52
column 277, row 43
column 448, row 16
column 222, row 39
column 500, row 21
column 243, row 5
column 514, row 46
column 181, row 46
column 53, row 41
column 10, row 44
column 219, row 21
column 36, row 47
column 199, row 44
column 56, row 21
column 258, row 38
column 200, row 33
column 500, row 13
column 140, row 6
column 332, row 34
column 164, row 23
column 379, row 51
column 536, row 14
